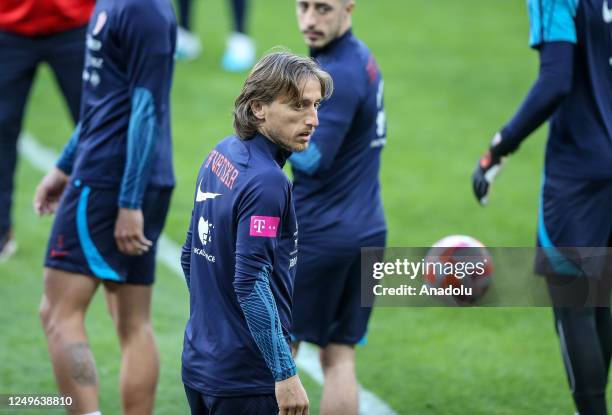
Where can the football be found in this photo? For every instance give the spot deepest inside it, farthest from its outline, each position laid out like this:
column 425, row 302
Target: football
column 458, row 269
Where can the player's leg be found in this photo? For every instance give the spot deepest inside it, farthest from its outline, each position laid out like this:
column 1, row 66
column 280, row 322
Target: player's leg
column 62, row 312
column 196, row 401
column 340, row 391
column 65, row 53
column 239, row 13
column 575, row 214
column 603, row 318
column 188, row 45
column 320, row 289
column 18, row 61
column 583, row 358
column 130, row 306
column 603, row 321
column 240, row 50
column 184, row 8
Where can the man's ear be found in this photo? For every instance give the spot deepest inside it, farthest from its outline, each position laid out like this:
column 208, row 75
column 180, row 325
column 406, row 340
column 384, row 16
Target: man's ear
column 350, row 7
column 259, row 110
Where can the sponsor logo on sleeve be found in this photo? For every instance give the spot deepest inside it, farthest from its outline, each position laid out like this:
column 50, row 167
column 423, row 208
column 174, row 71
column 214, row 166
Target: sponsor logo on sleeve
column 264, row 226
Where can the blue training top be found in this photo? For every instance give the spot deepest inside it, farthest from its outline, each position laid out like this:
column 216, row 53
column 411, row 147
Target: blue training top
column 336, row 184
column 580, row 138
column 239, row 260
column 123, row 138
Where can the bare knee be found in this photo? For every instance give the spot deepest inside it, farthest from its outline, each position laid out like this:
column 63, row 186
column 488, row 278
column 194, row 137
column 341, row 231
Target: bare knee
column 44, row 313
column 59, row 324
column 130, row 328
column 337, row 356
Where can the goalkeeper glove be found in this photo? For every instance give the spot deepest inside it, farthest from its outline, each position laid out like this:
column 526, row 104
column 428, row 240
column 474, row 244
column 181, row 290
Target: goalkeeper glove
column 487, row 169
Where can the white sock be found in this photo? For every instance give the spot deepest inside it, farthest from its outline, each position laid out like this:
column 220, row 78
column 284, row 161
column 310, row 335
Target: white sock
column 93, row 413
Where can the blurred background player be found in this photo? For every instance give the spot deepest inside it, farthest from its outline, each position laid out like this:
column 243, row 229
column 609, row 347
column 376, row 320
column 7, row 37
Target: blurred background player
column 240, row 253
column 337, row 199
column 573, row 90
column 33, row 32
column 240, row 49
column 115, row 179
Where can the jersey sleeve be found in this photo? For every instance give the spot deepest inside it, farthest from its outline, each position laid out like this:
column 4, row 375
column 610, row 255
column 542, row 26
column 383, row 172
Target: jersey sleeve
column 66, row 159
column 258, row 231
column 148, row 42
column 552, row 21
column 335, row 118
column 548, row 91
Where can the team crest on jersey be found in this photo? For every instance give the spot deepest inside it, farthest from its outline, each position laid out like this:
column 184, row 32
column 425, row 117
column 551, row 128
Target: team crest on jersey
column 100, row 22
column 205, row 231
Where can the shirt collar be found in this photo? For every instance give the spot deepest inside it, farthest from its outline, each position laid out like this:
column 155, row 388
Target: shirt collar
column 333, row 44
column 276, row 152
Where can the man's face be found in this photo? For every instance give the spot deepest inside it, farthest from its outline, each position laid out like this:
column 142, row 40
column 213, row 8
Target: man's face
column 291, row 124
column 321, row 21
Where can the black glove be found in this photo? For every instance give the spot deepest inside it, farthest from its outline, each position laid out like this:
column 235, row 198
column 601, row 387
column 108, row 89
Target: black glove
column 488, row 167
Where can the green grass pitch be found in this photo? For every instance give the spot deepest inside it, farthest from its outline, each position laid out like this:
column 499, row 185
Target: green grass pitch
column 454, row 72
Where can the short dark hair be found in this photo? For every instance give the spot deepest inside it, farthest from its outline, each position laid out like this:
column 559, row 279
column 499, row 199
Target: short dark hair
column 277, row 73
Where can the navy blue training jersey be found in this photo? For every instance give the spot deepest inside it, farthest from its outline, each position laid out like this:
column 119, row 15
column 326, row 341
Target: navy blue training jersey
column 239, row 261
column 580, row 137
column 123, row 138
column 336, row 183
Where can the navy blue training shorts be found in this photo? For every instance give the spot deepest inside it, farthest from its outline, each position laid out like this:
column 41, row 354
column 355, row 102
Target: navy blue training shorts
column 201, row 404
column 82, row 238
column 327, row 296
column 574, row 227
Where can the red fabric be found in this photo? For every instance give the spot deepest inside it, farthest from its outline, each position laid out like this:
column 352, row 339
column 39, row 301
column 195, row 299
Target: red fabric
column 43, row 17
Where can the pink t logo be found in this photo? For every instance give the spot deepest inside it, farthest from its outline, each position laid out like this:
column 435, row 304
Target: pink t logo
column 264, row 226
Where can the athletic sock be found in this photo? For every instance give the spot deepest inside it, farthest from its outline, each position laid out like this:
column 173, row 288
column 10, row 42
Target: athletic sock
column 583, row 357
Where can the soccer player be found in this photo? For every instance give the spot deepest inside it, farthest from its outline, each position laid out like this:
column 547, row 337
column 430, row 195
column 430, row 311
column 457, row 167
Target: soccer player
column 33, row 32
column 240, row 254
column 115, row 179
column 337, row 199
column 240, row 50
column 573, row 91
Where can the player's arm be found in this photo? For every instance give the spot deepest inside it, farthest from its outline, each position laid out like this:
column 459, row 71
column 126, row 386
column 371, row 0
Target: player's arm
column 335, row 118
column 148, row 49
column 50, row 189
column 554, row 36
column 255, row 256
column 66, row 159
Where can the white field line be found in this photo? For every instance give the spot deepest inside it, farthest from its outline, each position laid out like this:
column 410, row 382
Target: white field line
column 169, row 253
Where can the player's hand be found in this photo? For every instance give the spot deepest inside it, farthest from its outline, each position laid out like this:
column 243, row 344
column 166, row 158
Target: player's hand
column 49, row 192
column 129, row 233
column 487, row 169
column 291, row 397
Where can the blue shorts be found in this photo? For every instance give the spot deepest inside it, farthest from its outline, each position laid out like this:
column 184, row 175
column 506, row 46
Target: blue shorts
column 201, row 404
column 327, row 297
column 574, row 227
column 82, row 238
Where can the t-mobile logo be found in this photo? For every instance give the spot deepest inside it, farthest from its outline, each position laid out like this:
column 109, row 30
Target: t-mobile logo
column 264, row 226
